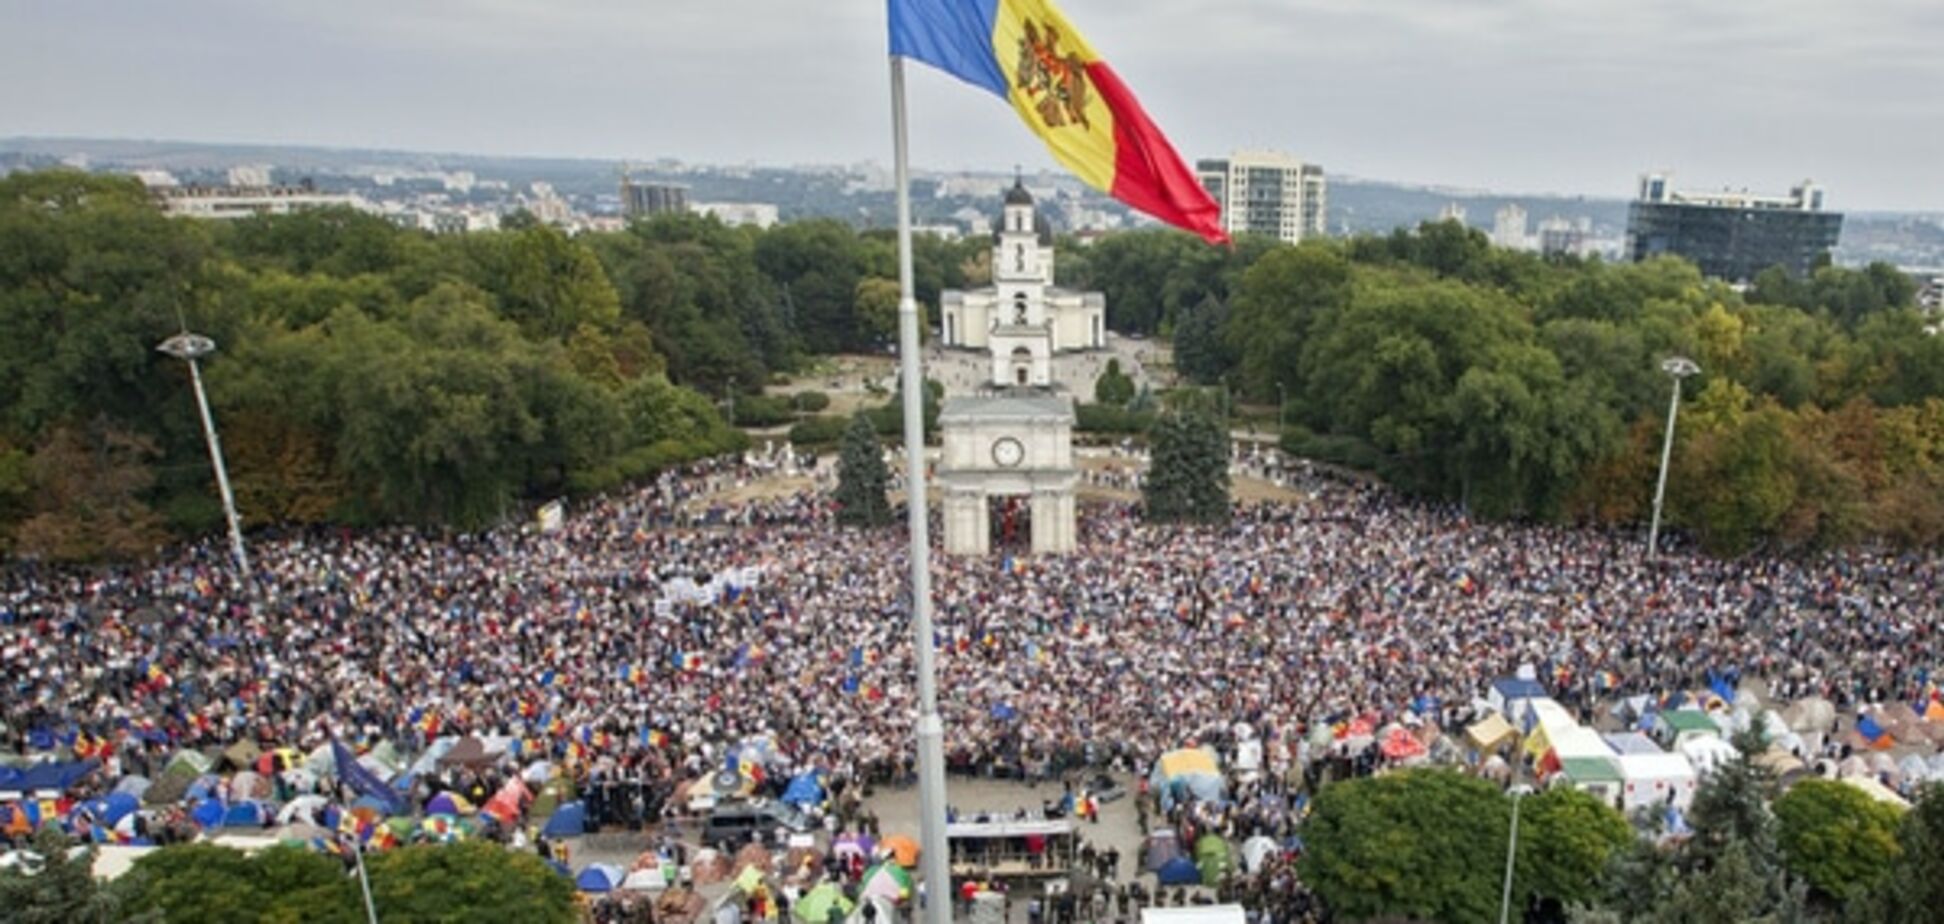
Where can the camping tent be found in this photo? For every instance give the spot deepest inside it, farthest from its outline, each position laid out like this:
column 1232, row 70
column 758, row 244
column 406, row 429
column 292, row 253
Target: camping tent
column 1707, row 753
column 1400, row 745
column 1179, row 871
column 1489, row 733
column 1677, row 726
column 806, row 789
column 1256, row 851
column 569, row 820
column 887, row 881
column 1212, row 858
column 1632, row 743
column 1161, row 847
column 52, row 777
column 600, row 877
column 1509, row 695
column 1597, row 776
column 1188, row 773
column 1653, row 779
column 816, row 907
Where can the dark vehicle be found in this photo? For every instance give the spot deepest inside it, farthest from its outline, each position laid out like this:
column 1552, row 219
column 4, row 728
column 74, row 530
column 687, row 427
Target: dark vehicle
column 734, row 824
column 1105, row 789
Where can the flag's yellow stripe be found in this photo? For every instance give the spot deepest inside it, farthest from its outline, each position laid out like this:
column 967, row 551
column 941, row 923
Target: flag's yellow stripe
column 1087, row 150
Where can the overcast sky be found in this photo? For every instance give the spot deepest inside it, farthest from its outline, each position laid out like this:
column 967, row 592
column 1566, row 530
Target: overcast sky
column 1574, row 96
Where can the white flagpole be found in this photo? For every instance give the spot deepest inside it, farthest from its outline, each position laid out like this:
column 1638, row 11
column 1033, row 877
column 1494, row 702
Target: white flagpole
column 931, row 729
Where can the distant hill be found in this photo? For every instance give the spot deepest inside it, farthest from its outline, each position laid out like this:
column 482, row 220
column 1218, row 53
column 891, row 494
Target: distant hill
column 1356, row 205
column 1377, row 206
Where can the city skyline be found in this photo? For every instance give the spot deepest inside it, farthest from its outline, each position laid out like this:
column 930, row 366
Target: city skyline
column 1511, row 96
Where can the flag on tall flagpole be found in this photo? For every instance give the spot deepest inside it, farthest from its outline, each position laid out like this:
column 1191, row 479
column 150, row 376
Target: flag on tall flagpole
column 1025, row 52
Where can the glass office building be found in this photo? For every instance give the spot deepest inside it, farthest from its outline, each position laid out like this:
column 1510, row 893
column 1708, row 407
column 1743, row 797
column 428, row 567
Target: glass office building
column 1732, row 236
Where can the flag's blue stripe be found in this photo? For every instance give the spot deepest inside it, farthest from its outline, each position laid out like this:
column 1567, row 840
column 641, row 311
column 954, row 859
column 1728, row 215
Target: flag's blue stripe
column 954, row 36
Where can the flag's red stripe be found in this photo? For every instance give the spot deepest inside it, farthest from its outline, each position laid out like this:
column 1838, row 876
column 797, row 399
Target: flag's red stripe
column 1148, row 174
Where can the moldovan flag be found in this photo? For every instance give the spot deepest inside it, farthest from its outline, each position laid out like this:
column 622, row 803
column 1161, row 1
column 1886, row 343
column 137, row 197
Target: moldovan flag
column 1025, row 52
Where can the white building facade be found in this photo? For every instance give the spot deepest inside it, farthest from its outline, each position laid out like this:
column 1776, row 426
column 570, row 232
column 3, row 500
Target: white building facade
column 1008, row 452
column 1022, row 319
column 1265, row 192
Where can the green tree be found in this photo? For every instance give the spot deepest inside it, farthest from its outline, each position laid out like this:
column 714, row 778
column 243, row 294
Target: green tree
column 50, row 886
column 862, row 478
column 1281, row 300
column 1567, row 840
column 1113, row 388
column 1836, row 837
column 877, row 311
column 1201, row 351
column 207, row 882
column 1407, row 845
column 819, row 264
column 1188, row 480
column 88, row 497
column 1912, row 891
column 545, row 281
column 471, row 880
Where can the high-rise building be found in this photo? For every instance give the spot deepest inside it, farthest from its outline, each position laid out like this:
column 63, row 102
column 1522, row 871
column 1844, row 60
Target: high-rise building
column 1562, row 237
column 645, row 200
column 1264, row 192
column 1732, row 235
column 1509, row 227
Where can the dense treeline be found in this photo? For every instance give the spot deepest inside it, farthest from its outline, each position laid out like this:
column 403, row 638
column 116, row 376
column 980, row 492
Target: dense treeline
column 369, row 374
column 1432, row 844
column 1527, row 387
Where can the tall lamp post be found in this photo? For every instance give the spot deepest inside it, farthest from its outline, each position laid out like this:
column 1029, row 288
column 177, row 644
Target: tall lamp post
column 1511, row 852
column 190, row 347
column 1282, row 404
column 1680, row 367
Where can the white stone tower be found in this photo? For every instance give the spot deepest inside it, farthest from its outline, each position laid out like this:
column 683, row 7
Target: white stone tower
column 1016, row 438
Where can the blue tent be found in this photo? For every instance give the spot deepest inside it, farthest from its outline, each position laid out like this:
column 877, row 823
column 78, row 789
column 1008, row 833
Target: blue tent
column 55, row 777
column 208, row 813
column 600, row 877
column 247, row 815
column 10, row 778
column 203, row 787
column 806, row 789
column 1179, row 871
column 570, row 820
column 111, row 808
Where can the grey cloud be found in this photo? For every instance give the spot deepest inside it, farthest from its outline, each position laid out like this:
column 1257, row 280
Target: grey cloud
column 1565, row 95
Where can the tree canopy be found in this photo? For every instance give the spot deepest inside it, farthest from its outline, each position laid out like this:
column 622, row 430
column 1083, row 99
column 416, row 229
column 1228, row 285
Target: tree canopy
column 370, row 374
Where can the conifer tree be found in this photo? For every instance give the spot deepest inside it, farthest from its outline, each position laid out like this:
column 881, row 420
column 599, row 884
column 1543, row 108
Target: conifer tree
column 862, row 477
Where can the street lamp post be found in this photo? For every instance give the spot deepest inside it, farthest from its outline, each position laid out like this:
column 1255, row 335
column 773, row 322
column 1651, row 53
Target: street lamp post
column 1511, row 853
column 190, row 347
column 1680, row 367
column 1282, row 403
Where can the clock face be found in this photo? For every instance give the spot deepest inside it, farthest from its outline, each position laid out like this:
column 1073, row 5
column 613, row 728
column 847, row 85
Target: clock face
column 1007, row 451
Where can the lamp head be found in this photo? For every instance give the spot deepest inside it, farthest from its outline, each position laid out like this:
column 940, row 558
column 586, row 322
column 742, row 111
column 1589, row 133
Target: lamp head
column 187, row 346
column 1679, row 367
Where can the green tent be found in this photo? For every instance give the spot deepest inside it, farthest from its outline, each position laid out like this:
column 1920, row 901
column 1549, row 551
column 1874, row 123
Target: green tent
column 815, row 907
column 1212, row 858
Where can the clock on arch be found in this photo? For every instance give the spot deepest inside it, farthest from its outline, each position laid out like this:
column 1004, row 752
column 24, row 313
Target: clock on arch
column 1008, row 452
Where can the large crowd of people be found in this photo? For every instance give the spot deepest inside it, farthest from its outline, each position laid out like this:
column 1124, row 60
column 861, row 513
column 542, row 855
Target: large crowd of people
column 655, row 630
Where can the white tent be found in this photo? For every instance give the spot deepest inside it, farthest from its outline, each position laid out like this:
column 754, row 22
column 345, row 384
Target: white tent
column 1708, row 753
column 1207, row 914
column 1652, row 779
